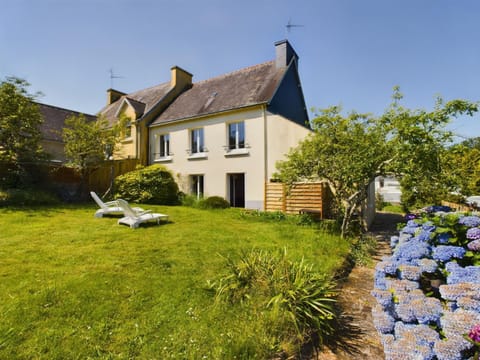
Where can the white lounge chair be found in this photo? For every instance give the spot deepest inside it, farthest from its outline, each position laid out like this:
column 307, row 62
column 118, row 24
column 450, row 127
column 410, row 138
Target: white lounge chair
column 134, row 218
column 109, row 207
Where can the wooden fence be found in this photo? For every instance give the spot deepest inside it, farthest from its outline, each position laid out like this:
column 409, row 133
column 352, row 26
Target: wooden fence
column 101, row 178
column 313, row 198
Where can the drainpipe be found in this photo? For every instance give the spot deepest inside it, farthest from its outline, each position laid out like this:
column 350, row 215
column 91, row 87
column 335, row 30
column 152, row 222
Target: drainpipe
column 265, row 154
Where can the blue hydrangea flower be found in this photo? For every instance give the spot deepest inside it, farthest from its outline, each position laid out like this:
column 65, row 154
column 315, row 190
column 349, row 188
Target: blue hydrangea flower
column 428, row 265
column 474, row 245
column 411, row 250
column 413, row 224
column 443, row 238
column 470, row 221
column 410, row 272
column 409, row 230
column 473, row 233
column 427, row 311
column 454, row 292
column 437, row 208
column 458, row 322
column 394, row 241
column 423, row 334
column 387, row 266
column 424, row 236
column 467, row 303
column 458, row 274
column 383, row 297
column 451, row 348
column 382, row 321
column 401, row 285
column 445, row 253
column 428, row 226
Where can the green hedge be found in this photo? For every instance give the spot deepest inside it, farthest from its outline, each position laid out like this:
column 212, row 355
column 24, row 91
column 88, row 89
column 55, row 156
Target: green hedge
column 149, row 185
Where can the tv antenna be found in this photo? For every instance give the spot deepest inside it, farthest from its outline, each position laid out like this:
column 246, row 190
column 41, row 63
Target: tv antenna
column 113, row 76
column 289, row 26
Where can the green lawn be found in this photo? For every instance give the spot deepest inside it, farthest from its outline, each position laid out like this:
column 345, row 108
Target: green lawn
column 76, row 287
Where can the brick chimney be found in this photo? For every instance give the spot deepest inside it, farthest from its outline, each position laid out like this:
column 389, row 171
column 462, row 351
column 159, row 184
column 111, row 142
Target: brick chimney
column 113, row 95
column 284, row 54
column 181, row 79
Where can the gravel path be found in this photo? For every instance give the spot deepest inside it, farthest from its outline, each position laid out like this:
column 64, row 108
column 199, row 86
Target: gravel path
column 359, row 339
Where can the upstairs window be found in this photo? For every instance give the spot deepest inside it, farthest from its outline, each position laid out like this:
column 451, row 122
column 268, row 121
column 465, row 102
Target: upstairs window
column 236, row 135
column 164, row 145
column 197, row 144
column 127, row 130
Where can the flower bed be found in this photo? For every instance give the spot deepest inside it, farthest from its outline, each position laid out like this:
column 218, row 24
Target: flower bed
column 428, row 291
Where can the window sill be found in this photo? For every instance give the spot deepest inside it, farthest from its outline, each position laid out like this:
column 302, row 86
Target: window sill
column 237, row 152
column 127, row 140
column 197, row 156
column 163, row 159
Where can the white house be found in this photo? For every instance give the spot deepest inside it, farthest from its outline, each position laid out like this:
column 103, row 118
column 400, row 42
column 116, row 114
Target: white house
column 223, row 136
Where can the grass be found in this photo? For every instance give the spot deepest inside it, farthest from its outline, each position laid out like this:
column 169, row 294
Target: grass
column 73, row 286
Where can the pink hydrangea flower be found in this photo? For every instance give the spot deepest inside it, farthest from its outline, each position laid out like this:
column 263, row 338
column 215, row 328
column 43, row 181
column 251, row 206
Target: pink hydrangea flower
column 474, row 333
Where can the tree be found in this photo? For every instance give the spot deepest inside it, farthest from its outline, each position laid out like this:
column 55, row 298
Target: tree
column 87, row 144
column 462, row 163
column 350, row 151
column 20, row 121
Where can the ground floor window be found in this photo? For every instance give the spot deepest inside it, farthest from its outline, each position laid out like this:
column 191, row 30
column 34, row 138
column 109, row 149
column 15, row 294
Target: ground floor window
column 196, row 185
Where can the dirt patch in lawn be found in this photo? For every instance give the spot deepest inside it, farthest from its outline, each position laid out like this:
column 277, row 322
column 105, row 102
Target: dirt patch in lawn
column 356, row 337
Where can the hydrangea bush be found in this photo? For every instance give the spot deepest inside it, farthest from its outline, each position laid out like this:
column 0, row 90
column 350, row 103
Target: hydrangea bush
column 428, row 290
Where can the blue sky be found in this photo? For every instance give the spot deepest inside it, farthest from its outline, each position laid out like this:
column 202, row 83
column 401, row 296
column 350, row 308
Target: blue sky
column 351, row 52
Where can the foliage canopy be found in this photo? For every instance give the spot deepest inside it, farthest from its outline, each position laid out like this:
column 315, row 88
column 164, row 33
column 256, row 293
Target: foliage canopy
column 20, row 121
column 349, row 151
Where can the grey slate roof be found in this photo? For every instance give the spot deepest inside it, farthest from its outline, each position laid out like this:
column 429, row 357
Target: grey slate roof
column 146, row 99
column 246, row 87
column 54, row 121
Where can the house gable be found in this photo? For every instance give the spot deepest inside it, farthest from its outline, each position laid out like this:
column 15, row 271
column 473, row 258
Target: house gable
column 288, row 99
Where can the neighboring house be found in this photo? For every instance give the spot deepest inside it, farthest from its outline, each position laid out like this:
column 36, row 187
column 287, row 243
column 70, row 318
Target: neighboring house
column 51, row 129
column 389, row 188
column 139, row 109
column 221, row 136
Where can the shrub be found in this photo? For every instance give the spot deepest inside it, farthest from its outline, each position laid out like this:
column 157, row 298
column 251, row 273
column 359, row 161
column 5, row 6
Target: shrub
column 150, row 185
column 214, row 202
column 298, row 300
column 27, row 197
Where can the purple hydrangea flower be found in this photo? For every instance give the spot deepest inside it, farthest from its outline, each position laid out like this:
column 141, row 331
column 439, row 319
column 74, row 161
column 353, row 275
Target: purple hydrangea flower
column 410, row 217
column 474, row 245
column 445, row 253
column 470, row 221
column 473, row 233
column 474, row 333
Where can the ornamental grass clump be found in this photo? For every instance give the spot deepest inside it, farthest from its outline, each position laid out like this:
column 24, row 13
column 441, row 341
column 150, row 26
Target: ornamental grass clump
column 428, row 290
column 292, row 294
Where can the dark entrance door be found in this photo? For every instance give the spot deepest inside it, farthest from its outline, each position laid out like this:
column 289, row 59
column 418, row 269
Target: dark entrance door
column 237, row 190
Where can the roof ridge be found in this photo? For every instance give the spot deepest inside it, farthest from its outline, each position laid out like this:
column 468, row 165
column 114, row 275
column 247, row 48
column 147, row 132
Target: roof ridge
column 62, row 108
column 231, row 73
